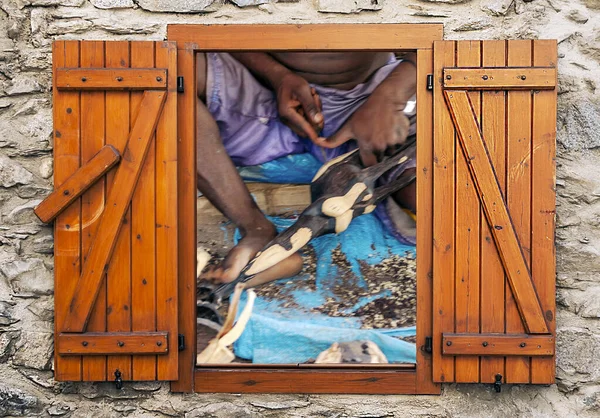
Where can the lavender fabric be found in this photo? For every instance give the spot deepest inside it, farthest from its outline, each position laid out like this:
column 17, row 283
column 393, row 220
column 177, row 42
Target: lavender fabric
column 252, row 132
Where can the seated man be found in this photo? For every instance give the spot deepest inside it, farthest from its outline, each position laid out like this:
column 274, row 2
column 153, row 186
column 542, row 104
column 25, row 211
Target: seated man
column 255, row 107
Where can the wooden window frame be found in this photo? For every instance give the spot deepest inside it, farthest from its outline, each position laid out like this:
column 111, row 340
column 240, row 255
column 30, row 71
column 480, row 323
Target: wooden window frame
column 380, row 379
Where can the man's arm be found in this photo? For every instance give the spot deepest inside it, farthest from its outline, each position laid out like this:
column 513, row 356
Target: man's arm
column 298, row 105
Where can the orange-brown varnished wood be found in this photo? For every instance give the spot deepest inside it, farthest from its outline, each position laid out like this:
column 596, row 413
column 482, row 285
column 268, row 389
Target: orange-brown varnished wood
column 467, row 277
column 77, row 184
column 92, row 201
column 500, row 78
column 305, row 381
column 443, row 220
column 166, row 214
column 143, row 237
column 505, row 121
column 118, row 200
column 123, row 344
column 518, row 192
column 502, row 230
column 111, row 79
column 186, row 210
column 66, row 114
column 369, row 37
column 543, row 204
column 498, row 344
column 424, row 378
column 492, row 273
column 119, row 309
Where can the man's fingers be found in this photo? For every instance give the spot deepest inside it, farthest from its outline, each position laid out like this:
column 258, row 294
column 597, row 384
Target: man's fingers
column 309, row 105
column 344, row 134
column 299, row 124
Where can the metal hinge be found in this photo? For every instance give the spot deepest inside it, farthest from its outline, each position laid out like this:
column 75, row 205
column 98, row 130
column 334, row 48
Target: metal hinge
column 181, row 342
column 429, row 81
column 428, row 346
column 180, row 84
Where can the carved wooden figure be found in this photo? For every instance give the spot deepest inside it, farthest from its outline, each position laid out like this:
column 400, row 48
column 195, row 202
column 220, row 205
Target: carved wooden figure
column 341, row 190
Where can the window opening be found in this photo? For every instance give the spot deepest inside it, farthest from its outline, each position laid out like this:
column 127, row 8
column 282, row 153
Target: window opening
column 334, row 279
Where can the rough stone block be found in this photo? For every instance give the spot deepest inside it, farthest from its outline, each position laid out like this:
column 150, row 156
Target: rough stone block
column 28, row 277
column 497, row 7
column 65, row 26
column 577, row 351
column 348, row 6
column 13, row 173
column 447, row 1
column 23, row 213
column 113, row 4
column 122, row 27
column 6, row 313
column 34, row 350
column 15, row 402
column 182, row 6
column 246, row 3
column 22, row 85
column 72, row 3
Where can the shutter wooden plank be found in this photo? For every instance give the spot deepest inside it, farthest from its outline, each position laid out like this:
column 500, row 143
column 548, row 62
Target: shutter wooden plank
column 166, row 214
column 92, row 201
column 123, row 344
column 499, row 79
column 425, row 242
column 88, row 285
column 143, row 273
column 77, row 184
column 518, row 193
column 467, row 274
column 443, row 220
column 498, row 344
column 543, row 206
column 496, row 213
column 67, row 251
column 492, row 275
column 109, row 79
column 119, row 270
column 186, row 201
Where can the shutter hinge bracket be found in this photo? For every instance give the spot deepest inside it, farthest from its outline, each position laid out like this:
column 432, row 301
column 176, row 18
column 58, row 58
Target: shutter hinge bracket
column 181, row 342
column 429, row 81
column 428, row 346
column 180, row 84
column 498, row 383
column 118, row 380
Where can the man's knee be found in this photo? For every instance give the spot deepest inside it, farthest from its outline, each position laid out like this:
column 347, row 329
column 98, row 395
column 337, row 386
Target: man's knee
column 201, row 75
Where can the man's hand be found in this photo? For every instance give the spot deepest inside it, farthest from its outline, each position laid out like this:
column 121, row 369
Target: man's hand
column 299, row 106
column 378, row 124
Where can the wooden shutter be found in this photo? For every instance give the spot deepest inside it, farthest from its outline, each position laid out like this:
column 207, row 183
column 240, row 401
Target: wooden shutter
column 116, row 239
column 494, row 208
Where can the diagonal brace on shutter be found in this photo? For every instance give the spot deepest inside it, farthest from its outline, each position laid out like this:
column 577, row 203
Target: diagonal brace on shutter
column 501, row 226
column 118, row 201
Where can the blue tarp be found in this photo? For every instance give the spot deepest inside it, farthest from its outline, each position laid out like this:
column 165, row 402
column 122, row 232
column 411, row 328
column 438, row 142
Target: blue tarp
column 296, row 333
column 278, row 334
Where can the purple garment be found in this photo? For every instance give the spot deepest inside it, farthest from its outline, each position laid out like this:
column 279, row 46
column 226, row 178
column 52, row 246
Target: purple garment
column 249, row 124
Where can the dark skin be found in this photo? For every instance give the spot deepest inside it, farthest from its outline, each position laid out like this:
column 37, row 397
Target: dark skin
column 378, row 124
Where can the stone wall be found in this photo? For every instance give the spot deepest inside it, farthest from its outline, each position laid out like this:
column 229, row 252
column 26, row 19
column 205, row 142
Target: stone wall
column 27, row 28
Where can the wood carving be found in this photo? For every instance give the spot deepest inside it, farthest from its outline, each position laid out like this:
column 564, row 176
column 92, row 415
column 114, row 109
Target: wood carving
column 341, row 190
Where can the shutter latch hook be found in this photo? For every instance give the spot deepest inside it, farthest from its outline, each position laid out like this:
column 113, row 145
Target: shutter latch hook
column 118, row 379
column 498, row 383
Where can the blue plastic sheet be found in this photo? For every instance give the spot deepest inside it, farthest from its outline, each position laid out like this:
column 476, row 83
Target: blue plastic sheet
column 295, row 169
column 294, row 334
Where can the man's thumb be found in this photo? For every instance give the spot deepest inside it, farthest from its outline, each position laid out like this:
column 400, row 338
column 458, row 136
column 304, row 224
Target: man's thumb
column 344, row 134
